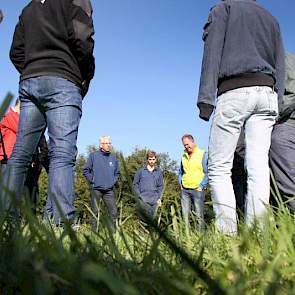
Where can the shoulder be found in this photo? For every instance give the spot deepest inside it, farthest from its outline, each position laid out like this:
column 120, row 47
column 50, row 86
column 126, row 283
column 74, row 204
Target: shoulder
column 85, row 5
column 159, row 170
column 222, row 6
column 114, row 157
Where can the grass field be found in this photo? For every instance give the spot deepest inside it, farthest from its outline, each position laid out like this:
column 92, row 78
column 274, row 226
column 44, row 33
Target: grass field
column 37, row 258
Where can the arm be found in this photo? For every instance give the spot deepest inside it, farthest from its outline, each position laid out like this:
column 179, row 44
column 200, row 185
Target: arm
column 88, row 170
column 17, row 50
column 204, row 182
column 136, row 181
column 160, row 184
column 81, row 39
column 288, row 107
column 214, row 32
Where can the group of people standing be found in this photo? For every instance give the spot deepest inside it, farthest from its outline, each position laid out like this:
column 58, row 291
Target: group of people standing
column 102, row 171
column 242, row 80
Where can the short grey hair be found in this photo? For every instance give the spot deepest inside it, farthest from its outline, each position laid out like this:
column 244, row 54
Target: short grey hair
column 104, row 137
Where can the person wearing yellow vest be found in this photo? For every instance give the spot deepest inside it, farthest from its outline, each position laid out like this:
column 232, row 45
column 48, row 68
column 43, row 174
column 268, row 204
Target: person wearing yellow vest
column 193, row 179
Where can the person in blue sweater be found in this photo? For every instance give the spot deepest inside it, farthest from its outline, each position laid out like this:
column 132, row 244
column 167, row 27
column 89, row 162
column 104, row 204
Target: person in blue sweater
column 102, row 172
column 148, row 185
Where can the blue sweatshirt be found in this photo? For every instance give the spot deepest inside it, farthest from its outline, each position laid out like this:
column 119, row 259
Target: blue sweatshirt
column 102, row 170
column 148, row 185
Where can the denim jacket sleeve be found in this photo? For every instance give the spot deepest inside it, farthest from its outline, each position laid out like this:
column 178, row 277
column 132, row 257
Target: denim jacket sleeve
column 116, row 172
column 214, row 32
column 160, row 183
column 204, row 182
column 88, row 170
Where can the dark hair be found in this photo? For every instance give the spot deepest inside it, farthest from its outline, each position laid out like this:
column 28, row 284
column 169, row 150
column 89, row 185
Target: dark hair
column 151, row 154
column 189, row 136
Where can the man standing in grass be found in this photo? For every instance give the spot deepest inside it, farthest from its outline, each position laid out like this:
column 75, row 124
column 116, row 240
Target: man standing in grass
column 148, row 185
column 243, row 63
column 102, row 172
column 52, row 49
column 282, row 150
column 193, row 179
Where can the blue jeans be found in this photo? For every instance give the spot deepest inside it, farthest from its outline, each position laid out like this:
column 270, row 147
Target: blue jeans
column 255, row 109
column 55, row 103
column 189, row 196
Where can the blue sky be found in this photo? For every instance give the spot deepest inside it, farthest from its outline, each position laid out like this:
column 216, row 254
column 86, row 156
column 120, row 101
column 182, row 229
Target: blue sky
column 148, row 55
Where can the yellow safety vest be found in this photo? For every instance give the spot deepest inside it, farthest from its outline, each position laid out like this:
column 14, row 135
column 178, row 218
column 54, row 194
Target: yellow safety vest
column 192, row 169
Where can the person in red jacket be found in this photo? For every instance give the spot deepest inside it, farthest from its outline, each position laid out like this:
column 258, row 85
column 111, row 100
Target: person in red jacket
column 8, row 128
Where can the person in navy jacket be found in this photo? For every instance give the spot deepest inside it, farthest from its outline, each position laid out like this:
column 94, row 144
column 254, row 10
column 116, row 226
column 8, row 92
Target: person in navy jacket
column 102, row 172
column 148, row 185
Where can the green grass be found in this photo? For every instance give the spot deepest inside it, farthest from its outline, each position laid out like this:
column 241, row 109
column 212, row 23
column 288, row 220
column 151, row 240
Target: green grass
column 40, row 259
column 37, row 258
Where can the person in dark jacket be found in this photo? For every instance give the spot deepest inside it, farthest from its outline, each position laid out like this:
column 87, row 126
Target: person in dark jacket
column 52, row 49
column 243, row 63
column 148, row 185
column 282, row 150
column 102, row 172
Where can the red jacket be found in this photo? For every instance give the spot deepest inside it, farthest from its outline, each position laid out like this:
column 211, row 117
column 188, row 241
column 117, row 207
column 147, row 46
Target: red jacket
column 8, row 126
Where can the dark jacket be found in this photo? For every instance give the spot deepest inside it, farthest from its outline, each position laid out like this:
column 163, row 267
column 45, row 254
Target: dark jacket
column 148, row 185
column 102, row 170
column 55, row 39
column 288, row 107
column 240, row 38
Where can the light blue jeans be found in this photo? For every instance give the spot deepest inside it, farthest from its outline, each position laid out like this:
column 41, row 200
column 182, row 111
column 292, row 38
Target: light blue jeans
column 255, row 108
column 55, row 103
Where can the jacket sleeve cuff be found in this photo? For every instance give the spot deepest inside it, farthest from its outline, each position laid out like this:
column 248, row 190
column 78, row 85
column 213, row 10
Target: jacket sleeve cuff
column 205, row 110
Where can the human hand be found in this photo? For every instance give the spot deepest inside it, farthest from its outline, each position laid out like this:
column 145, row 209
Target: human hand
column 159, row 203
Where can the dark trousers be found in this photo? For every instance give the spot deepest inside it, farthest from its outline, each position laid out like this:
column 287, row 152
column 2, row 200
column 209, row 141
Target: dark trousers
column 31, row 188
column 108, row 198
column 282, row 161
column 239, row 180
column 146, row 210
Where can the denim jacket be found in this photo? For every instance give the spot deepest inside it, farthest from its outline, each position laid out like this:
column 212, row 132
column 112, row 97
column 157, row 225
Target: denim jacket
column 239, row 37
